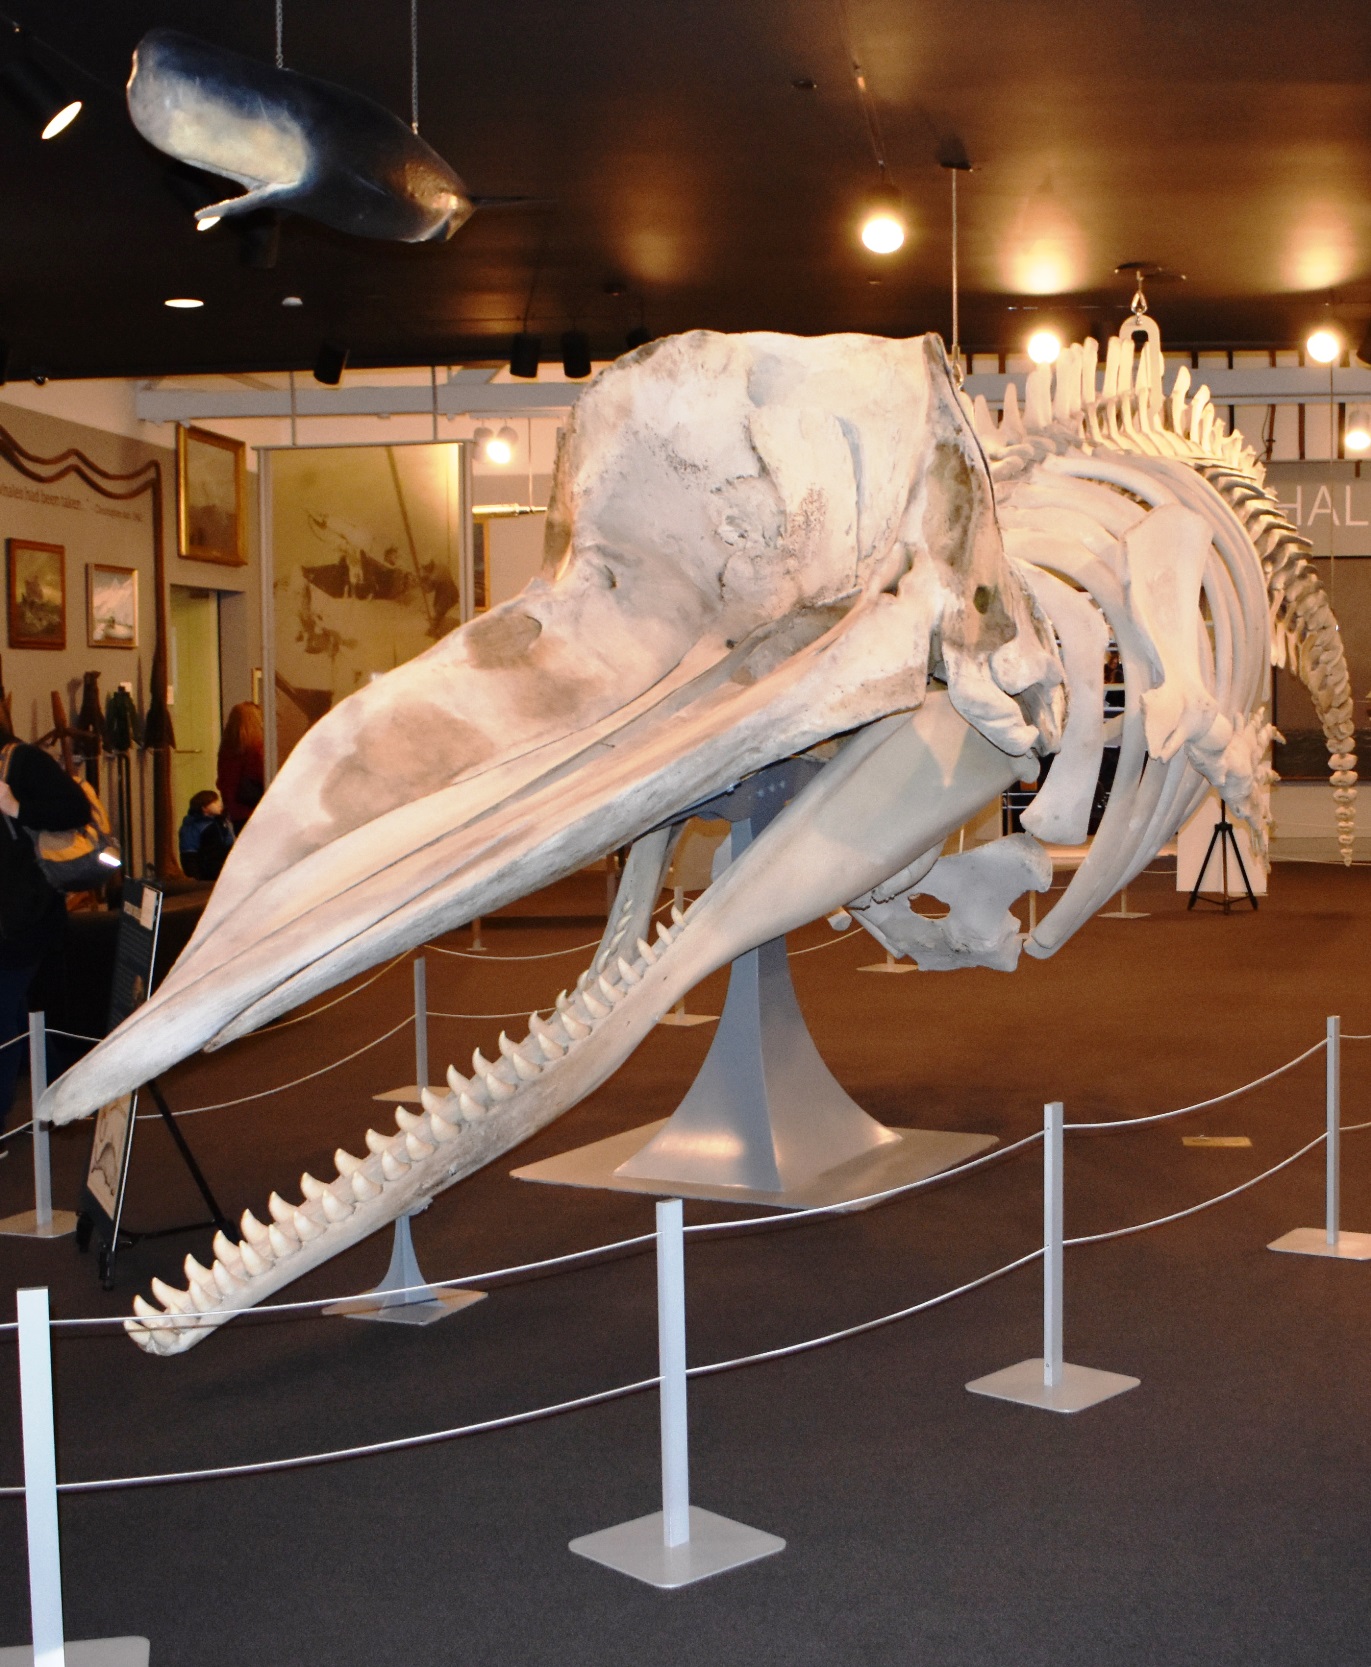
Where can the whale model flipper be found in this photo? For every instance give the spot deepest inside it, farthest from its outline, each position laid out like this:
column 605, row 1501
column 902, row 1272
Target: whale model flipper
column 299, row 145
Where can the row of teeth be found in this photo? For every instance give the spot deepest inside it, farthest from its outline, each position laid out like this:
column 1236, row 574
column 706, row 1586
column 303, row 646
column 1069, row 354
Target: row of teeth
column 391, row 1158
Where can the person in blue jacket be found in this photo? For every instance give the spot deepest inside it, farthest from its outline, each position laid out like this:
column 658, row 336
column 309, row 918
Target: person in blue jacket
column 206, row 836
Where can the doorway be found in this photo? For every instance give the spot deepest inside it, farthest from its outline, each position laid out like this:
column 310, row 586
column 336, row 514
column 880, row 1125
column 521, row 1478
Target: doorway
column 193, row 692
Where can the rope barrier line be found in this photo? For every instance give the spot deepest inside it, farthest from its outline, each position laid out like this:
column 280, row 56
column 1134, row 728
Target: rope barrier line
column 23, row 1036
column 638, row 1241
column 598, row 1398
column 75, row 1035
column 9, row 1134
column 265, row 1093
column 1199, row 1105
column 314, row 1012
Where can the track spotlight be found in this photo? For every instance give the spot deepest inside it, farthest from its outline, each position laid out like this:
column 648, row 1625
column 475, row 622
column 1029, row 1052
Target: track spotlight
column 883, row 222
column 637, row 338
column 330, row 363
column 524, row 353
column 35, row 91
column 481, row 438
column 500, row 449
column 1044, row 346
column 575, row 355
column 1323, row 346
column 1357, row 435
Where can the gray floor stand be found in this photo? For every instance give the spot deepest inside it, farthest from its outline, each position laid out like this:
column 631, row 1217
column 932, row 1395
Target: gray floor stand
column 1314, row 1241
column 86, row 1652
column 1076, row 1387
column 1330, row 1239
column 680, row 1543
column 422, row 1306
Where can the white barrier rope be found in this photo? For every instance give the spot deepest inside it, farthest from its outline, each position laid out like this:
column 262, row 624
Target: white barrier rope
column 430, row 1438
column 9, row 1134
column 1199, row 1105
column 314, row 1012
column 264, row 1093
column 75, row 1035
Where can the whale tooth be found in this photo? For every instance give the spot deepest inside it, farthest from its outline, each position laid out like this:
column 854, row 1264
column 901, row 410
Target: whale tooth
column 254, row 1261
column 376, row 1143
column 225, row 1249
column 224, row 1280
column 611, row 992
column 253, row 1230
column 363, row 1187
column 306, row 1227
column 646, row 952
column 471, row 1109
column 204, row 1300
column 442, row 1128
column 280, row 1210
column 547, row 1047
column 310, row 1188
column 497, row 1088
column 677, row 917
column 455, row 1080
column 416, row 1148
column 406, row 1119
column 175, row 1302
column 394, row 1164
column 283, row 1242
column 481, row 1066
column 345, row 1162
column 198, row 1275
column 144, row 1309
column 629, row 974
column 596, row 1009
column 576, row 1031
column 438, row 1102
column 664, row 934
column 562, row 1003
column 525, row 1069
column 335, row 1208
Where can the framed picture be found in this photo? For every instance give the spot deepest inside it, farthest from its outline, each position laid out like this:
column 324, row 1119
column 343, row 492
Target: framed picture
column 111, row 606
column 38, row 594
column 211, row 497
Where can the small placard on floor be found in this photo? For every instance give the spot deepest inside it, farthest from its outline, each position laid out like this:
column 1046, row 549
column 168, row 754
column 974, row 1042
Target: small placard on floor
column 1215, row 1140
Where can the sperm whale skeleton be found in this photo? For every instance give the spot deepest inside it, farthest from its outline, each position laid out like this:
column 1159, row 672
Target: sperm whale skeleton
column 759, row 548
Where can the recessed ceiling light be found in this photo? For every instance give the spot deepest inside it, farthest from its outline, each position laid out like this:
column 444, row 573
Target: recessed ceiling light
column 1323, row 346
column 207, row 222
column 292, row 301
column 183, row 302
column 1044, row 346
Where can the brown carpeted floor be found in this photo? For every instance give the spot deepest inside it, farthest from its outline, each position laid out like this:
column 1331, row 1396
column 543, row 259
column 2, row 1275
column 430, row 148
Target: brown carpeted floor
column 1215, row 1515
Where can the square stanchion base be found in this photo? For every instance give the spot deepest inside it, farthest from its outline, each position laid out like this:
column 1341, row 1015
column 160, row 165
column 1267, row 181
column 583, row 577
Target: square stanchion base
column 87, row 1652
column 890, row 966
column 25, row 1226
column 675, row 1018
column 423, row 1311
column 1313, row 1241
column 715, row 1544
column 1080, row 1386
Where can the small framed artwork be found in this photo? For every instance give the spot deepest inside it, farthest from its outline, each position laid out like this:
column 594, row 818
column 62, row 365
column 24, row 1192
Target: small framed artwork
column 211, row 497
column 37, row 594
column 111, row 606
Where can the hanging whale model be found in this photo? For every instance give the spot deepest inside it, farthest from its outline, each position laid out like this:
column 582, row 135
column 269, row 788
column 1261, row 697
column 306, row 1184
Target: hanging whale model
column 300, row 146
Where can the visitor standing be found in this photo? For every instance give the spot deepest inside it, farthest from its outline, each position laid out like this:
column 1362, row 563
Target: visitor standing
column 242, row 768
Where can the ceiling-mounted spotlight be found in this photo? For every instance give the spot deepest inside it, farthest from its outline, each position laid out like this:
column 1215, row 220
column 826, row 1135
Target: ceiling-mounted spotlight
column 1323, row 345
column 1357, row 435
column 883, row 221
column 524, row 353
column 575, row 355
column 637, row 338
column 183, row 303
column 329, row 364
column 500, row 448
column 481, row 438
column 208, row 223
column 35, row 90
column 1044, row 346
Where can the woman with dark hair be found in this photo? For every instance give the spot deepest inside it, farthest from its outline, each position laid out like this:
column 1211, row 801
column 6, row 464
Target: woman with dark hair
column 36, row 796
column 242, row 771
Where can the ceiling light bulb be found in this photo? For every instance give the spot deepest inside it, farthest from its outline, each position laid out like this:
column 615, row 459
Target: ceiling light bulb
column 63, row 119
column 499, row 450
column 1044, row 346
column 206, row 222
column 292, row 301
column 1357, row 435
column 183, row 302
column 1323, row 346
column 883, row 224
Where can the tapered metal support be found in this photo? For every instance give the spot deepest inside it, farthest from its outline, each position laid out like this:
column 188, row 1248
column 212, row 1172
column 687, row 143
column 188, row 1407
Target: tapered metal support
column 403, row 1297
column 1329, row 1240
column 680, row 1543
column 1049, row 1381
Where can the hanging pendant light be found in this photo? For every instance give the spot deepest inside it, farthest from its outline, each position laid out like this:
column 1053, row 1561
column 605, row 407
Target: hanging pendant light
column 883, row 221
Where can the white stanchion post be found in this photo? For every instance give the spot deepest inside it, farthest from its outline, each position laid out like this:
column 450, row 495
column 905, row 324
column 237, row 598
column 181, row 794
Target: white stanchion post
column 680, row 1543
column 1053, row 1365
column 1329, row 1240
column 1049, row 1381
column 40, row 1477
column 420, row 1022
column 671, row 1366
column 42, row 1221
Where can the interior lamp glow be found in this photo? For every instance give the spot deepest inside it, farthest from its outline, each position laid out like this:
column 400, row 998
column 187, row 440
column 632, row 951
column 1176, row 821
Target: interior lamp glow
column 209, row 221
column 1357, row 435
column 62, row 120
column 883, row 224
column 183, row 303
column 500, row 449
column 1044, row 346
column 1323, row 346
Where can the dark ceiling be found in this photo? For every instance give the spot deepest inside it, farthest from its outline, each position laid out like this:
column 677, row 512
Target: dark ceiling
column 672, row 154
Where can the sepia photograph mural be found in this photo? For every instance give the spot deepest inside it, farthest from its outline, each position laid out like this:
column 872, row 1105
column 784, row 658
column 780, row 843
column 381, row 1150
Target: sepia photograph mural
column 367, row 561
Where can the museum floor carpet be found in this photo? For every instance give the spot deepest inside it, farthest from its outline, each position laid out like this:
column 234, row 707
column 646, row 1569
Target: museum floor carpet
column 1216, row 1515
